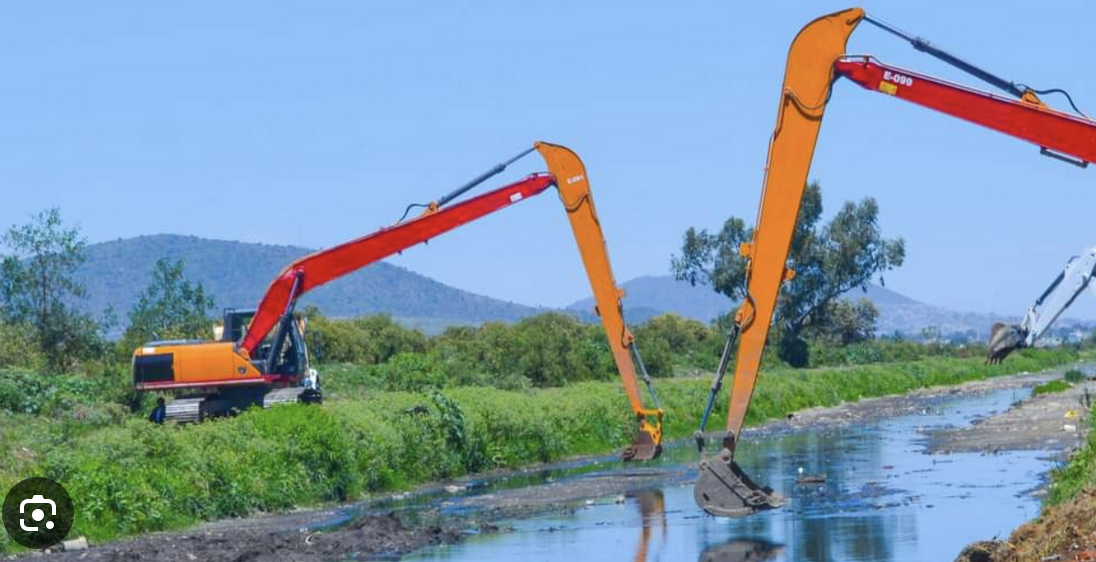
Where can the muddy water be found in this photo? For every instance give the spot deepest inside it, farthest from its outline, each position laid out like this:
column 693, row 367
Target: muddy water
column 883, row 499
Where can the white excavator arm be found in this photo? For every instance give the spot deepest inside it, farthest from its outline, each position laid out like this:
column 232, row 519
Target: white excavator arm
column 1071, row 282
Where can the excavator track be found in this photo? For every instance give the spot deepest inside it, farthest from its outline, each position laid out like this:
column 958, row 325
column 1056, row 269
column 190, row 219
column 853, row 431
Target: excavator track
column 196, row 409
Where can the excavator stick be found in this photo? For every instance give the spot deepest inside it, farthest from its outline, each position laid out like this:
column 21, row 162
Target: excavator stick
column 574, row 192
column 722, row 488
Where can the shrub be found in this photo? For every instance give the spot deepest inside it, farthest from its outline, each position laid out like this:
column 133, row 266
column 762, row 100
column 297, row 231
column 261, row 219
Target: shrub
column 1074, row 376
column 369, row 340
column 1051, row 387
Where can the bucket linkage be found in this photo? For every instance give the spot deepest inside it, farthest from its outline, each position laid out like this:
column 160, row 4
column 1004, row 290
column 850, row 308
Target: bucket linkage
column 722, row 488
column 647, row 444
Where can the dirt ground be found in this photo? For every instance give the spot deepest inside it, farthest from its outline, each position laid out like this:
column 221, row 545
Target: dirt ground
column 1064, row 533
column 284, row 537
column 370, row 537
column 1055, row 421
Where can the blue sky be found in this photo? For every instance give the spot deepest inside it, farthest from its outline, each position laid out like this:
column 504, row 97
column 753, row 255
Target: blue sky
column 312, row 123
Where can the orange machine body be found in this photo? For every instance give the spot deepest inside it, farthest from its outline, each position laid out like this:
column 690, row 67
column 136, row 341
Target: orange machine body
column 193, row 364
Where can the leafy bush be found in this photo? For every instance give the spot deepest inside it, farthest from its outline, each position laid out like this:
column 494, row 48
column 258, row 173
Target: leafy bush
column 1078, row 474
column 368, row 340
column 17, row 347
column 545, row 350
column 669, row 339
column 33, row 393
column 1073, row 376
column 1050, row 387
column 410, row 371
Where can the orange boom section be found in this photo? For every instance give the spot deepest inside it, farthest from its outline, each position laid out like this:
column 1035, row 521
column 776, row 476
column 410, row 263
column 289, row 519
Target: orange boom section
column 574, row 192
column 816, row 59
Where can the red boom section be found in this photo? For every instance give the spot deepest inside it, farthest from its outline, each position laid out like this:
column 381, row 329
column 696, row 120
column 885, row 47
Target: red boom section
column 326, row 265
column 1054, row 130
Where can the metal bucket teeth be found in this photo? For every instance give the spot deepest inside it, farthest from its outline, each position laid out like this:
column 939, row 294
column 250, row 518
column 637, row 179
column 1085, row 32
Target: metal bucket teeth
column 723, row 490
column 643, row 448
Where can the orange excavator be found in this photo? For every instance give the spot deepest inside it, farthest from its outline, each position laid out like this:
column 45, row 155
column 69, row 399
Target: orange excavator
column 260, row 358
column 816, row 60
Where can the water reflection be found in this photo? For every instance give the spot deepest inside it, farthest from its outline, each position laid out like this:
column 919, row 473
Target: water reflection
column 882, row 500
column 652, row 508
column 738, row 550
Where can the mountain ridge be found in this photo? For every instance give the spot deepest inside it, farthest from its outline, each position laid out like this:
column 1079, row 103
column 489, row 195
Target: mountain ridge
column 238, row 273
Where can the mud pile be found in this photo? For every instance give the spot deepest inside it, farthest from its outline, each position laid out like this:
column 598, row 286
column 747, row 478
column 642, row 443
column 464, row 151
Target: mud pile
column 1065, row 532
column 383, row 536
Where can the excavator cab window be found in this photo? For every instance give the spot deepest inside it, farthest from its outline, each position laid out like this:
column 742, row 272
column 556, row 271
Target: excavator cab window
column 236, row 322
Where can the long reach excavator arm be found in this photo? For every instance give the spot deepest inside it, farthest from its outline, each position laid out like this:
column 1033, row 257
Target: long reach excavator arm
column 816, row 60
column 256, row 359
column 1058, row 296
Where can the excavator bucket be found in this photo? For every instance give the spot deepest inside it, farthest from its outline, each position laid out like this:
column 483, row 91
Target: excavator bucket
column 1003, row 339
column 647, row 444
column 723, row 489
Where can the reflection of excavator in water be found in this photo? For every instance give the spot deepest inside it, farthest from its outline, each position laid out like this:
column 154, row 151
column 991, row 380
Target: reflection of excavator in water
column 260, row 357
column 815, row 60
column 1066, row 287
column 652, row 512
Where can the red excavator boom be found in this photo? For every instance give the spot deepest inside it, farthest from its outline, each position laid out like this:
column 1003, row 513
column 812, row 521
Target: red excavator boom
column 323, row 266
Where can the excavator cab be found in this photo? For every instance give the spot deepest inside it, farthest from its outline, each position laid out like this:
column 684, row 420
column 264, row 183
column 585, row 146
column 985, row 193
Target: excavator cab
column 236, row 321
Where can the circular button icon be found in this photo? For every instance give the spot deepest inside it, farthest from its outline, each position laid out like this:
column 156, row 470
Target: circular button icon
column 38, row 513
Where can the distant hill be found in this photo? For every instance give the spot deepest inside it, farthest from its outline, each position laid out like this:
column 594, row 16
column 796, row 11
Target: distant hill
column 653, row 295
column 237, row 274
column 901, row 314
column 897, row 313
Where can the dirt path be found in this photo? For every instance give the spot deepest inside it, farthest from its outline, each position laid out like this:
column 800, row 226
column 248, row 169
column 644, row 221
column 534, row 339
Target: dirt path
column 292, row 536
column 1055, row 421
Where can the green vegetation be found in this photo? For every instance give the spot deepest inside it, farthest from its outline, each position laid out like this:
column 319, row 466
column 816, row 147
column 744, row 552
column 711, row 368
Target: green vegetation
column 828, row 261
column 169, row 308
column 37, row 287
column 134, row 477
column 403, row 408
column 1073, row 376
column 1079, row 474
column 1049, row 387
column 549, row 350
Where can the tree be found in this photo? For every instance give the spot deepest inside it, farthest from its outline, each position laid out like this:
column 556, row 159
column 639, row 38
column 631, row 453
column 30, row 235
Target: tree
column 828, row 260
column 170, row 307
column 846, row 322
column 38, row 285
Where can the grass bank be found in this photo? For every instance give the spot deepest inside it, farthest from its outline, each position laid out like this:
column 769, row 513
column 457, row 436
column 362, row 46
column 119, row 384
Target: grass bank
column 130, row 477
column 1078, row 474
